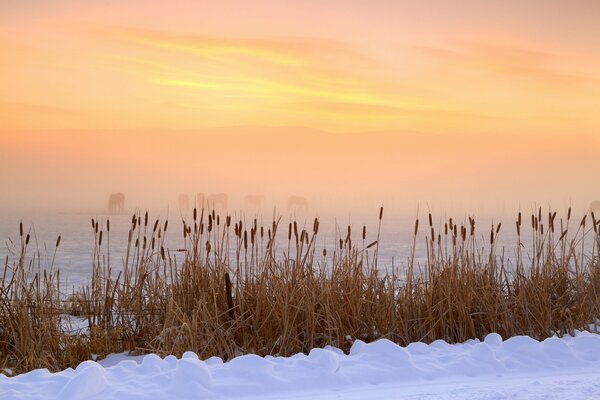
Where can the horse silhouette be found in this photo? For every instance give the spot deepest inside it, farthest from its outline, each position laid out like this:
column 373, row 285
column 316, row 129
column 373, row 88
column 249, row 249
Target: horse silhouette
column 116, row 203
column 217, row 200
column 254, row 202
column 298, row 203
column 184, row 202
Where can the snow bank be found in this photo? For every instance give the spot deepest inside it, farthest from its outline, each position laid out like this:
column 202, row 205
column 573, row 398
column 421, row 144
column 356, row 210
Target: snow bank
column 381, row 364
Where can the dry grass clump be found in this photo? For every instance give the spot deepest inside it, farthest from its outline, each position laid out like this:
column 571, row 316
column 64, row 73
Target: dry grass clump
column 232, row 289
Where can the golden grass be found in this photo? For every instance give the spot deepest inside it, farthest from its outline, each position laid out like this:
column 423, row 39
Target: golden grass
column 230, row 289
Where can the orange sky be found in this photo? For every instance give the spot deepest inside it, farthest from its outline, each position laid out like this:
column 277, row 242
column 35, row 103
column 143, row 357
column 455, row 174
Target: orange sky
column 503, row 72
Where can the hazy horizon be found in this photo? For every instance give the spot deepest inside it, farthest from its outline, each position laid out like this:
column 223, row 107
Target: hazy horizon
column 470, row 106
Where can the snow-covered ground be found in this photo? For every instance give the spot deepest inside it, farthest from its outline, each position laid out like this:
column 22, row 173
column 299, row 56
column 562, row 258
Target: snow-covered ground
column 517, row 368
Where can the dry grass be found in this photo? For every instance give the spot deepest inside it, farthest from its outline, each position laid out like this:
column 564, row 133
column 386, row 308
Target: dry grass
column 230, row 289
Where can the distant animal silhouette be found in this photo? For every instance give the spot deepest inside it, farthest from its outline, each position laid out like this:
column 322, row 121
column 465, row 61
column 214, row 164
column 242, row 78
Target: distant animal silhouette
column 217, row 201
column 298, row 203
column 116, row 203
column 254, row 202
column 595, row 206
column 184, row 202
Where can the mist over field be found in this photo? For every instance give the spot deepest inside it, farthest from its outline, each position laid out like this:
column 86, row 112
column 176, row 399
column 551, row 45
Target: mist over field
column 75, row 171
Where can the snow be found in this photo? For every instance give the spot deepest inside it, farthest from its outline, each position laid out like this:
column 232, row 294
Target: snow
column 519, row 368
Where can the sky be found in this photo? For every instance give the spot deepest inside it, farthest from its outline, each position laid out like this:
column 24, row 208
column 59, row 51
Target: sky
column 427, row 101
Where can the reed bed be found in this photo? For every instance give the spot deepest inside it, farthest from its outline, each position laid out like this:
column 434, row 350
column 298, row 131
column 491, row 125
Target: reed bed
column 237, row 287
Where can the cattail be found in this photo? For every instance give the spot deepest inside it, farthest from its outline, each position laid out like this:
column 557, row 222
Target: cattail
column 324, row 252
column 532, row 221
column 218, row 220
column 498, row 228
column 451, row 224
column 152, row 244
column 162, row 253
column 364, row 233
column 518, row 228
column 21, row 228
column 129, row 236
column 594, row 222
column 195, row 213
column 108, row 225
column 245, row 240
column 563, row 235
column 349, row 232
column 228, row 221
column 446, row 229
column 262, row 232
column 542, row 229
column 96, row 229
column 432, row 234
column 372, row 244
column 492, row 236
column 455, row 231
column 184, row 231
column 569, row 214
column 416, row 226
column 295, row 229
column 316, row 226
column 58, row 241
column 583, row 221
column 290, row 231
column 380, row 213
column 195, row 227
column 155, row 226
column 93, row 225
column 137, row 242
column 27, row 239
column 214, row 214
column 146, row 219
column 100, row 239
column 145, row 243
column 166, row 226
column 430, row 220
column 519, row 220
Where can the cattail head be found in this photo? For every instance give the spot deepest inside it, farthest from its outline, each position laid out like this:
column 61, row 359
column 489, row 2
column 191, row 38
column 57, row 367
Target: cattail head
column 27, row 239
column 155, row 226
column 195, row 214
column 100, row 239
column 380, row 213
column 364, row 232
column 430, row 220
column 58, row 241
column 416, row 226
column 108, row 225
column 583, row 221
column 166, row 226
column 146, row 219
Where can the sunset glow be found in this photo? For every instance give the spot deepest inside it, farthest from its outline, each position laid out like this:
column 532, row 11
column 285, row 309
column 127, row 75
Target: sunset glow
column 491, row 69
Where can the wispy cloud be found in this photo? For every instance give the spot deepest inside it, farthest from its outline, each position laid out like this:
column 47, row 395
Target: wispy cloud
column 517, row 61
